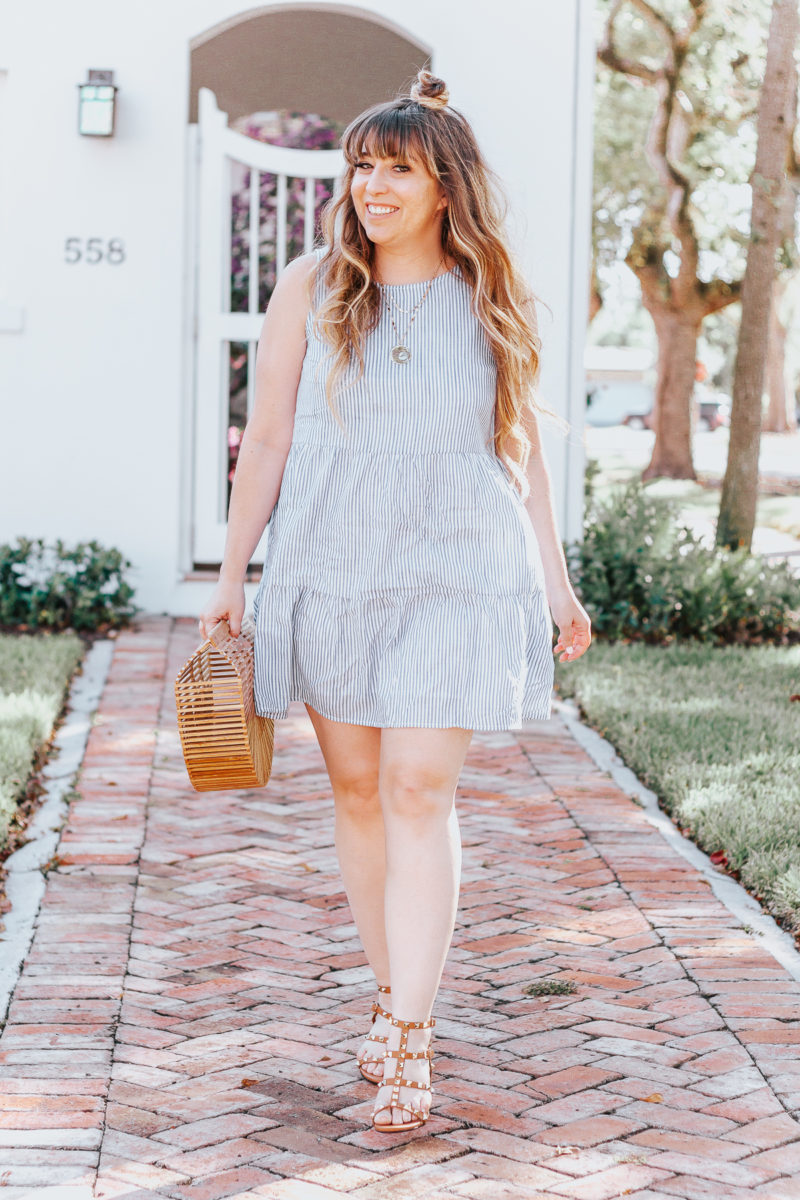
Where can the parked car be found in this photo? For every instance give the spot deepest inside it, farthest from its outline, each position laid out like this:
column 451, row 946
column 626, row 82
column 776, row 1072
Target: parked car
column 617, row 402
column 639, row 420
column 710, row 411
column 713, row 410
column 619, row 383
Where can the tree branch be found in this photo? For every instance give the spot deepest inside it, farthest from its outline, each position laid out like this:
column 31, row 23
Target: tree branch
column 665, row 147
column 683, row 38
column 655, row 18
column 607, row 51
column 719, row 294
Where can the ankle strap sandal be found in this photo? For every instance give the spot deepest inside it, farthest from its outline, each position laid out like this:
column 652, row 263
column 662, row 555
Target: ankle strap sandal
column 376, row 1076
column 418, row 1115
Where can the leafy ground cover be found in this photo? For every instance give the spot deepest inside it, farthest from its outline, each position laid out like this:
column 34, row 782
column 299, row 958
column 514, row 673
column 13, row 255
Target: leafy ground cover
column 714, row 731
column 34, row 673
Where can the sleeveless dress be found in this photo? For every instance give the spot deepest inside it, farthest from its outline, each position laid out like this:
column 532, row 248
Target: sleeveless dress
column 402, row 583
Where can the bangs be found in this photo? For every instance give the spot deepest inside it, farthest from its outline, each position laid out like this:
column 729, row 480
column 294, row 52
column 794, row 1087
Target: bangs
column 389, row 133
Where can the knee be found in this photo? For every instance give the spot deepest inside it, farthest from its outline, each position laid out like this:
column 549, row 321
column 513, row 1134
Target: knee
column 417, row 798
column 356, row 796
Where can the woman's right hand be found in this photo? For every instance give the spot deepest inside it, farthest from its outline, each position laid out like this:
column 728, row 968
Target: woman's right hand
column 227, row 602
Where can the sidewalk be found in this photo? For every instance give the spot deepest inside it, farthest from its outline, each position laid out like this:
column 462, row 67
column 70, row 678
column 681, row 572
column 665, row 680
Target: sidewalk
column 186, row 1021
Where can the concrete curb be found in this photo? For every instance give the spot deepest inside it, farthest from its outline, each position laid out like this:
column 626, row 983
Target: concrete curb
column 25, row 882
column 730, row 893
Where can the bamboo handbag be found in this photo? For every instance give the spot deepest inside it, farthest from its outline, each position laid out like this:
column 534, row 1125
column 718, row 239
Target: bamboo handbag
column 226, row 744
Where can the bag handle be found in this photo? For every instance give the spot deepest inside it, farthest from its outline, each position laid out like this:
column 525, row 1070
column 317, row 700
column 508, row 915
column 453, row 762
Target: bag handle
column 220, row 633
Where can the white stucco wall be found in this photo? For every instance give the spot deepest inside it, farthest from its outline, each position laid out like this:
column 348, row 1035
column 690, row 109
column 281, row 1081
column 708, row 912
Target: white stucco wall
column 92, row 373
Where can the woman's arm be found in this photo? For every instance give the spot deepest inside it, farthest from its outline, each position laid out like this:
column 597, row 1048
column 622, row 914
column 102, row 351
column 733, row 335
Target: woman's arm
column 574, row 626
column 266, row 440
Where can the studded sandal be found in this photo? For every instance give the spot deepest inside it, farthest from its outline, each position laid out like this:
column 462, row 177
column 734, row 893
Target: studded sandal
column 418, row 1115
column 381, row 1039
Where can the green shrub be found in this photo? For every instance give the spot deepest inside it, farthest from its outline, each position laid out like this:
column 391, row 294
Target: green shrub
column 53, row 587
column 641, row 575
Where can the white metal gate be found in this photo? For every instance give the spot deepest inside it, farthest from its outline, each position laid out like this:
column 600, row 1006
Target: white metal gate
column 220, row 152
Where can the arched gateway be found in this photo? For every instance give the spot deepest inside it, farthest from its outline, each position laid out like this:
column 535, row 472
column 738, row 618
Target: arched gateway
column 256, row 204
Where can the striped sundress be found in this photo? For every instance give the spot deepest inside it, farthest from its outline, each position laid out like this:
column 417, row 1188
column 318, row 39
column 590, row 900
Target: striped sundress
column 403, row 584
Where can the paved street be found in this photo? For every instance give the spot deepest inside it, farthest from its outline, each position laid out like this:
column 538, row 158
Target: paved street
column 186, row 1021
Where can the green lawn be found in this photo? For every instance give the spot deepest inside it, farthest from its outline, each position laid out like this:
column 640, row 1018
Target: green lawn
column 712, row 730
column 34, row 673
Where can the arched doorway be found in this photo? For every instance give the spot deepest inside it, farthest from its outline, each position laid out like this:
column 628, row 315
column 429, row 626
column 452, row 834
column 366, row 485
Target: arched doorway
column 306, row 58
column 255, row 204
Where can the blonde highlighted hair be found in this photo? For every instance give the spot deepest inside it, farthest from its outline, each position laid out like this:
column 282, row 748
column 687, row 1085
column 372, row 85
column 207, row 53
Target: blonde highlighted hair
column 421, row 125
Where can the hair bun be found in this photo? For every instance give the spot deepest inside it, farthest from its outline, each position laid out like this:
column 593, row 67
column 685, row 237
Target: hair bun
column 429, row 90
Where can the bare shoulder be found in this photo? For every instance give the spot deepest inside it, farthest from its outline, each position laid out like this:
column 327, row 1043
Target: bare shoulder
column 298, row 272
column 291, row 298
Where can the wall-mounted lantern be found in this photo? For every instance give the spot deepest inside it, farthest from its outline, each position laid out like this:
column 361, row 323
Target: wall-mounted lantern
column 97, row 104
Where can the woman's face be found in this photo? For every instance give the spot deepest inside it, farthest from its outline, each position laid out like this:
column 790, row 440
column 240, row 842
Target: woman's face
column 396, row 200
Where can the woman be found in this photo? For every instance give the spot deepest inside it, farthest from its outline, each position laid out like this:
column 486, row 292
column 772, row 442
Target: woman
column 413, row 547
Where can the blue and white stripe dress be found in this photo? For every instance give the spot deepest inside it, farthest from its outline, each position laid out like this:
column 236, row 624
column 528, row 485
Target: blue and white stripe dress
column 403, row 584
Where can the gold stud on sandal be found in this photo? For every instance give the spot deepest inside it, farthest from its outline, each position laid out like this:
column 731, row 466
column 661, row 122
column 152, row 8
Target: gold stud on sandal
column 380, row 1039
column 418, row 1115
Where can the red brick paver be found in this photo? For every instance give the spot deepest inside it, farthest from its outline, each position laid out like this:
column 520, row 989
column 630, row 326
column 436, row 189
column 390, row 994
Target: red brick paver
column 186, row 1020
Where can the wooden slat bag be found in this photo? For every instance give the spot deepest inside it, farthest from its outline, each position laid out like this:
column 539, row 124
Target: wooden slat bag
column 225, row 743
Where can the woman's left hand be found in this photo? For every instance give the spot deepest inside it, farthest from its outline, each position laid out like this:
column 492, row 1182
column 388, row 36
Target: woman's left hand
column 574, row 626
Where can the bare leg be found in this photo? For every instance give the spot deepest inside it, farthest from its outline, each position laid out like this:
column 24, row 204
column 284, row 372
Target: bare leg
column 419, row 770
column 352, row 755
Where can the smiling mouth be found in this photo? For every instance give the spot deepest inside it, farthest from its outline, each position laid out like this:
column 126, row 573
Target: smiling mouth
column 380, row 210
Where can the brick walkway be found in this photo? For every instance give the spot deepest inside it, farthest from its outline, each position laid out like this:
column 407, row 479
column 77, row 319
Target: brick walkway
column 186, row 1021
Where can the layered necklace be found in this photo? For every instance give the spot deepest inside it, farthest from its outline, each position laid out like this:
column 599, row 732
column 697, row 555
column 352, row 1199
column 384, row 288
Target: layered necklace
column 400, row 351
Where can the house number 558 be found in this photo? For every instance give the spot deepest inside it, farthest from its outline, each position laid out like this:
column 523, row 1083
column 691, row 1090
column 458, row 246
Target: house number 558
column 94, row 250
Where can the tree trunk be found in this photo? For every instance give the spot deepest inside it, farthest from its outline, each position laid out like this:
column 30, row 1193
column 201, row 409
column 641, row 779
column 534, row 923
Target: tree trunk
column 780, row 416
column 672, row 404
column 777, row 418
column 775, row 122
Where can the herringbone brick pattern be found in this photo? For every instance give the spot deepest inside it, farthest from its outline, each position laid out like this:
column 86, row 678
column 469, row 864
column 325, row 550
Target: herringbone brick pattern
column 186, row 1022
